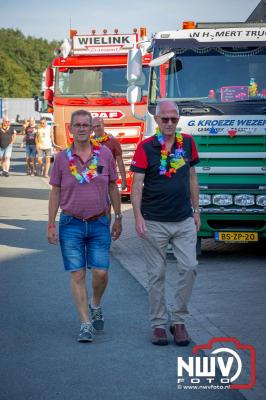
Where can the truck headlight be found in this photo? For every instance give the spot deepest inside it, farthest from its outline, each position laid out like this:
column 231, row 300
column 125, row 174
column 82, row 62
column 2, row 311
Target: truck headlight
column 204, row 199
column 244, row 199
column 222, row 199
column 261, row 200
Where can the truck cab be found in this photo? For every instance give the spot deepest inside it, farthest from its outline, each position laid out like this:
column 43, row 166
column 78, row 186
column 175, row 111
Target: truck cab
column 89, row 73
column 215, row 72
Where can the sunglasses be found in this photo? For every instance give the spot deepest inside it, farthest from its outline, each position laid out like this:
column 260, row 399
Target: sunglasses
column 165, row 120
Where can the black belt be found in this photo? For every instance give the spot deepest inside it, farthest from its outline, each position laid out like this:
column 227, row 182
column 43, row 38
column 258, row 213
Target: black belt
column 93, row 218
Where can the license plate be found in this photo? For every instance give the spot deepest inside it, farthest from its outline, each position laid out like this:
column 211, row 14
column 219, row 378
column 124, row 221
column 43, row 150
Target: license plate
column 236, row 236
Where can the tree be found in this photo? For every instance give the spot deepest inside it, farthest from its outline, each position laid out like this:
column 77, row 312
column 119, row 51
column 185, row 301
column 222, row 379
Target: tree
column 22, row 62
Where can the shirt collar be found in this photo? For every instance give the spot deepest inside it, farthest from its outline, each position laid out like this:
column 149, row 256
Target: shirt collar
column 73, row 153
column 156, row 142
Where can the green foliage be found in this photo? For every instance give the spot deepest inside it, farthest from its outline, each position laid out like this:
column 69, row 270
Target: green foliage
column 22, row 62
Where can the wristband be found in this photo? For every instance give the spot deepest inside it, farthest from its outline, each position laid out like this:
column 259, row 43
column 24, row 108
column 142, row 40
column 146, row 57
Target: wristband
column 195, row 210
column 51, row 226
column 118, row 216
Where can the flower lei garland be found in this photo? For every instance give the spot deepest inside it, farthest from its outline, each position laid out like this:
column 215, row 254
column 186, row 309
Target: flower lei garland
column 91, row 171
column 102, row 139
column 176, row 158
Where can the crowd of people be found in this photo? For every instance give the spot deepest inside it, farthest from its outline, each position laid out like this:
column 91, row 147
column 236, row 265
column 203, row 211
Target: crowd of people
column 39, row 143
column 38, row 140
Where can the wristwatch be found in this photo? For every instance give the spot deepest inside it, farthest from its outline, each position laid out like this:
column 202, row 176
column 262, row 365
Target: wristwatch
column 118, row 216
column 195, row 210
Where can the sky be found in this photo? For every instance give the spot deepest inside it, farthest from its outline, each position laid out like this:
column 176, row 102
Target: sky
column 51, row 19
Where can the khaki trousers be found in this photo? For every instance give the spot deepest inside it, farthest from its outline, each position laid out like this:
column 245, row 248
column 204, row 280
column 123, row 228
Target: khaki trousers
column 183, row 237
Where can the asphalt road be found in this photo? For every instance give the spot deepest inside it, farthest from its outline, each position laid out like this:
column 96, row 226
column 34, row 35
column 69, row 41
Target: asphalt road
column 40, row 358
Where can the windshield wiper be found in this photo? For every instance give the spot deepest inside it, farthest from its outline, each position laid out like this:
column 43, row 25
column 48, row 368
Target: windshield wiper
column 250, row 100
column 197, row 104
column 104, row 93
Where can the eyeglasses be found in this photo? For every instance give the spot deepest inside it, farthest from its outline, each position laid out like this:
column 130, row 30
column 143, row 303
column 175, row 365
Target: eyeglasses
column 81, row 126
column 165, row 120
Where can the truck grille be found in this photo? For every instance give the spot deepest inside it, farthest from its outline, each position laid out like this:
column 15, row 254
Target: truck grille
column 128, row 151
column 236, row 224
column 240, row 160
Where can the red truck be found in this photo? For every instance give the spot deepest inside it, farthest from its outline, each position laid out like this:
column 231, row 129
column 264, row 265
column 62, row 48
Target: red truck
column 90, row 72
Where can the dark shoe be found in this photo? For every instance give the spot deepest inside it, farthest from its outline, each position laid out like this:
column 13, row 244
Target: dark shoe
column 181, row 337
column 86, row 333
column 159, row 337
column 6, row 174
column 97, row 319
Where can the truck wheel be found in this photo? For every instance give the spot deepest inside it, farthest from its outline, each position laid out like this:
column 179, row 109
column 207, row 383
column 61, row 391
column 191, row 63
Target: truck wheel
column 198, row 246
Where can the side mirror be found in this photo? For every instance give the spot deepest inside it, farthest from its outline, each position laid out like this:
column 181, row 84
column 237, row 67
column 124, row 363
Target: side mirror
column 49, row 77
column 134, row 65
column 48, row 95
column 156, row 62
column 133, row 94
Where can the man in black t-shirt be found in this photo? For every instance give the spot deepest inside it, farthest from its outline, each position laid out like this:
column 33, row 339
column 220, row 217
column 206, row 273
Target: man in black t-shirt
column 7, row 138
column 165, row 203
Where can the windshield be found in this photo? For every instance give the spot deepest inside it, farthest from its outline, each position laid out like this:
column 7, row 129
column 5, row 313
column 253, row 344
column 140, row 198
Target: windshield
column 95, row 82
column 217, row 75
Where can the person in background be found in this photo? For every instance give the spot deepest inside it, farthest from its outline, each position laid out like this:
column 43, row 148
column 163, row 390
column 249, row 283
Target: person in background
column 165, row 203
column 113, row 144
column 29, row 139
column 25, row 124
column 7, row 138
column 83, row 179
column 44, row 146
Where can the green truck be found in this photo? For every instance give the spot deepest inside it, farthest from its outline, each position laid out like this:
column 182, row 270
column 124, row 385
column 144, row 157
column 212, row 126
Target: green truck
column 215, row 72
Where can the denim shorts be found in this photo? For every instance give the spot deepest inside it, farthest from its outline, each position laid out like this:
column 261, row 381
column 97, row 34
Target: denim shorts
column 30, row 150
column 84, row 243
column 6, row 152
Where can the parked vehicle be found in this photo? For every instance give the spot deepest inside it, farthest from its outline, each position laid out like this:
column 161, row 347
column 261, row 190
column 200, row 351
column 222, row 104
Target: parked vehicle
column 90, row 73
column 215, row 72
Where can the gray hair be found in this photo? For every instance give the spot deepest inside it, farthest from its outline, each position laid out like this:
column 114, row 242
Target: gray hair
column 161, row 102
column 80, row 113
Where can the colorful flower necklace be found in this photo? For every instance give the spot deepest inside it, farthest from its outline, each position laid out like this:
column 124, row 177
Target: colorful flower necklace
column 176, row 158
column 91, row 171
column 102, row 139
